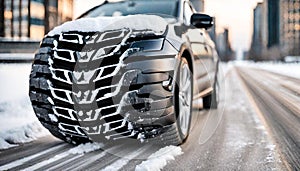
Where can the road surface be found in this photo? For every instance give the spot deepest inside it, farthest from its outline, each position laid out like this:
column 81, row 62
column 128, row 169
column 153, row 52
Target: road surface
column 255, row 128
column 277, row 98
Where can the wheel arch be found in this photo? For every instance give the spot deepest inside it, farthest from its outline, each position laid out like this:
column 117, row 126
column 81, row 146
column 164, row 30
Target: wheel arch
column 186, row 52
column 188, row 56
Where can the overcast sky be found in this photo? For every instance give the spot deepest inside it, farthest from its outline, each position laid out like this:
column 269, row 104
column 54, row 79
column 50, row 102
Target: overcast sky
column 237, row 15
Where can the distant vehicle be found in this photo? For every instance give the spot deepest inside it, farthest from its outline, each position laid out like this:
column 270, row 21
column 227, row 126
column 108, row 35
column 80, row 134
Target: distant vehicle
column 99, row 78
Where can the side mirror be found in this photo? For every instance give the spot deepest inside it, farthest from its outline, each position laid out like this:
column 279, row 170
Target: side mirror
column 202, row 20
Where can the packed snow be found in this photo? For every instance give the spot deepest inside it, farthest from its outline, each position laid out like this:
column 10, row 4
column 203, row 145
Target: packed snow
column 238, row 136
column 18, row 122
column 159, row 159
column 86, row 148
column 117, row 165
column 136, row 22
column 23, row 134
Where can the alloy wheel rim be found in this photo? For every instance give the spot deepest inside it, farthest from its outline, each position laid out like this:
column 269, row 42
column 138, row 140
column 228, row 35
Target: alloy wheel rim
column 184, row 99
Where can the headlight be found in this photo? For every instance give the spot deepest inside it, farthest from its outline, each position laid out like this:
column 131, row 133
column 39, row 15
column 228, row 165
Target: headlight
column 149, row 45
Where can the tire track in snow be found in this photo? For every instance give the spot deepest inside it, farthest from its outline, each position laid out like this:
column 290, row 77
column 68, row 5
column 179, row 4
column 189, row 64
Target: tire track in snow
column 85, row 161
column 81, row 149
column 29, row 158
column 278, row 113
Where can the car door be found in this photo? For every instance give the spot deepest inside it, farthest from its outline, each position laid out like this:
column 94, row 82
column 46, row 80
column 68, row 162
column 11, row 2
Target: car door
column 202, row 53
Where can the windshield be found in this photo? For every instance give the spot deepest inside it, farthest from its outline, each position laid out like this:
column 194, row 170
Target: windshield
column 164, row 8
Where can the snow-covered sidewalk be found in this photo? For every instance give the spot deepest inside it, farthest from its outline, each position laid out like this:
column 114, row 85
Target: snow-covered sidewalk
column 18, row 123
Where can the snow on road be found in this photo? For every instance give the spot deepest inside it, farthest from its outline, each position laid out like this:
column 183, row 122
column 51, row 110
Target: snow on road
column 26, row 159
column 243, row 106
column 18, row 123
column 86, row 148
column 117, row 165
column 79, row 151
column 159, row 159
column 289, row 69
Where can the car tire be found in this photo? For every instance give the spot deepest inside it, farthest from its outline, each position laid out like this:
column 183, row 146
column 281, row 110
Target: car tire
column 40, row 94
column 43, row 80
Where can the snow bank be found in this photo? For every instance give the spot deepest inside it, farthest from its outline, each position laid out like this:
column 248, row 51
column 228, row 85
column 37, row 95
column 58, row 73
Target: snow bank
column 15, row 130
column 23, row 134
column 159, row 159
column 18, row 123
column 137, row 22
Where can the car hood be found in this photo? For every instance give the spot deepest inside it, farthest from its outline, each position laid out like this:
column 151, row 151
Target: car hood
column 136, row 22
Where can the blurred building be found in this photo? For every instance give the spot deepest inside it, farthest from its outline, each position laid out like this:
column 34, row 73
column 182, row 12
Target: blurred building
column 245, row 55
column 198, row 5
column 276, row 30
column 290, row 27
column 258, row 43
column 32, row 18
column 224, row 47
column 273, row 22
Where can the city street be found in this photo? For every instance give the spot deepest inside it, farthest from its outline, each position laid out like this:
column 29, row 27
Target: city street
column 255, row 128
column 150, row 85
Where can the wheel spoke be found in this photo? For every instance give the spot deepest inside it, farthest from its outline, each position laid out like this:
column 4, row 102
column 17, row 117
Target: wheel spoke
column 188, row 99
column 186, row 118
column 184, row 98
column 181, row 97
column 186, row 86
column 181, row 118
column 185, row 69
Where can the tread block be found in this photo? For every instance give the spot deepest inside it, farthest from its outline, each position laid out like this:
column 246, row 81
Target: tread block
column 41, row 113
column 45, row 50
column 42, row 57
column 48, row 41
column 40, row 83
column 38, row 97
column 42, row 69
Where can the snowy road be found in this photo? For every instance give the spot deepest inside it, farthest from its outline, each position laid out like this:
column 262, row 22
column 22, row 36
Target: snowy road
column 278, row 98
column 255, row 128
